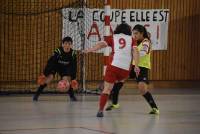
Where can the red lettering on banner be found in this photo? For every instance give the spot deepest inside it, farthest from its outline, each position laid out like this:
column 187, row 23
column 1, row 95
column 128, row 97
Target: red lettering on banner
column 95, row 32
column 158, row 32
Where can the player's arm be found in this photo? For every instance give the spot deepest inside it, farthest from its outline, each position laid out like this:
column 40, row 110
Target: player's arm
column 99, row 45
column 145, row 48
column 74, row 65
column 135, row 52
column 136, row 55
column 53, row 60
column 102, row 44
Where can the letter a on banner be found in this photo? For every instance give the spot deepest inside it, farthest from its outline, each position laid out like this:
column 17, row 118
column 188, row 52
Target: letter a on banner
column 94, row 31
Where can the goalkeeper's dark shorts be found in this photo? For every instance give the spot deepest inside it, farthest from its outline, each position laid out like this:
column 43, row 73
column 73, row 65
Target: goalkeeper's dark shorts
column 60, row 69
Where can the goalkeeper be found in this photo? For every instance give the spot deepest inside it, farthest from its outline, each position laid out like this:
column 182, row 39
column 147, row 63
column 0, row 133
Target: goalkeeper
column 63, row 62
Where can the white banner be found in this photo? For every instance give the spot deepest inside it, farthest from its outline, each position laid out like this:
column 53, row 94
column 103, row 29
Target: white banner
column 91, row 26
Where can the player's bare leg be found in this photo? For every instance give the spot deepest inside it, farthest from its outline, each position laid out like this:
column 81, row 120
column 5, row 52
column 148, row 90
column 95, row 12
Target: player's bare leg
column 47, row 80
column 104, row 97
column 143, row 88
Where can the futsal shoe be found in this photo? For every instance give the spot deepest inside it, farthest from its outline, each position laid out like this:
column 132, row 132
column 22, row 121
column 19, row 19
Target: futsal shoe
column 154, row 111
column 112, row 106
column 35, row 97
column 100, row 114
column 73, row 98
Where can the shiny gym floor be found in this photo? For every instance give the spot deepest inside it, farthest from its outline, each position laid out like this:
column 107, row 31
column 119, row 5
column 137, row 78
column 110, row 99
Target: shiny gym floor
column 55, row 114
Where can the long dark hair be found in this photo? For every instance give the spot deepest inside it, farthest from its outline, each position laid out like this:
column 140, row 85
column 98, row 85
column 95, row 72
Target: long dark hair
column 141, row 29
column 123, row 28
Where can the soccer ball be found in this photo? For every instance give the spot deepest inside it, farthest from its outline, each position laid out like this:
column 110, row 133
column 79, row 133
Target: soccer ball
column 63, row 85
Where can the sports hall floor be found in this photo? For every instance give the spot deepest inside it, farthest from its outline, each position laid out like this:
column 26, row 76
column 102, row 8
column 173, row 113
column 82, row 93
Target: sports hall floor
column 55, row 114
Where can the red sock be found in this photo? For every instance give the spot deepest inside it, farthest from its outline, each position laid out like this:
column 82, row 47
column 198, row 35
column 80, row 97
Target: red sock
column 102, row 101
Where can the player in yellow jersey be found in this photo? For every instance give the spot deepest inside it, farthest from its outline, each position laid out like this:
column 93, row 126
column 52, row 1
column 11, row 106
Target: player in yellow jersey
column 144, row 46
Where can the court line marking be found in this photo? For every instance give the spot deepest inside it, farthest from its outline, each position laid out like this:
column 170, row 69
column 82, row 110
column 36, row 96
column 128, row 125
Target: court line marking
column 34, row 129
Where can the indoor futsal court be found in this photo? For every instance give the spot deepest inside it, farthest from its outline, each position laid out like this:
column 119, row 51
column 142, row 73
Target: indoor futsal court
column 99, row 67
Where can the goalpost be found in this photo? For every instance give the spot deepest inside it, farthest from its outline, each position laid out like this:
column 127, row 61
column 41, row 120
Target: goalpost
column 79, row 24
